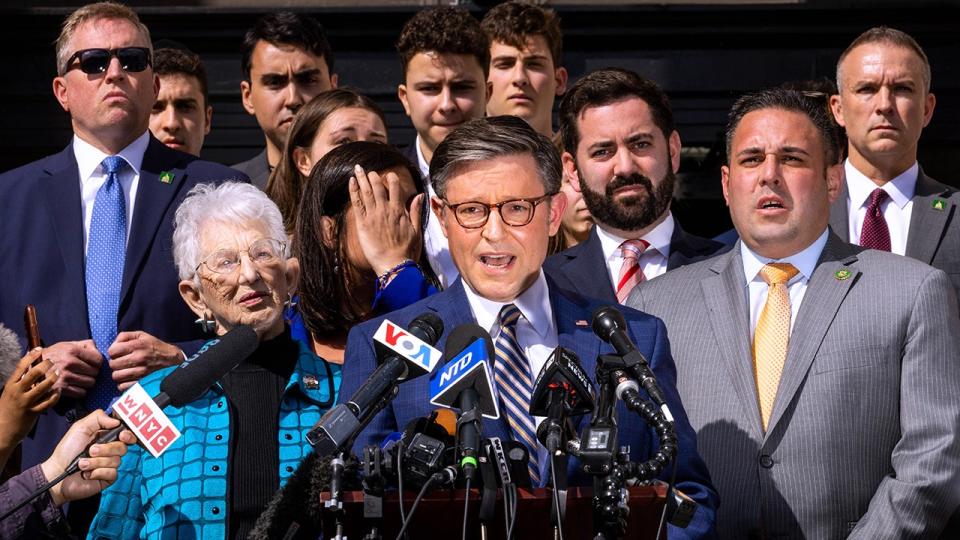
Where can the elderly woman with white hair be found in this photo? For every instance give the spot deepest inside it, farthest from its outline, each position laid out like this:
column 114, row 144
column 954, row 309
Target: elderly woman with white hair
column 246, row 435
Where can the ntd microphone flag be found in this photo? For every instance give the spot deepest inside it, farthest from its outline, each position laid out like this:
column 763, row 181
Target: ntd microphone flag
column 392, row 338
column 468, row 369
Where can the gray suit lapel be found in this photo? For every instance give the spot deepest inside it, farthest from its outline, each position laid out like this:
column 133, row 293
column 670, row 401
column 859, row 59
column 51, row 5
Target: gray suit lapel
column 839, row 218
column 928, row 220
column 726, row 299
column 829, row 285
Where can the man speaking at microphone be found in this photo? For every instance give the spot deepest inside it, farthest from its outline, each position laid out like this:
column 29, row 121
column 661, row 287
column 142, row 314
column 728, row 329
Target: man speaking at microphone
column 497, row 183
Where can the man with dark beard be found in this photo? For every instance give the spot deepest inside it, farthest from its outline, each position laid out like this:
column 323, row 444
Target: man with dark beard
column 622, row 151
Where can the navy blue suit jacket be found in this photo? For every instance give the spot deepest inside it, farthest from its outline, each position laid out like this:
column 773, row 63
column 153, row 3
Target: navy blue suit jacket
column 41, row 248
column 582, row 269
column 572, row 315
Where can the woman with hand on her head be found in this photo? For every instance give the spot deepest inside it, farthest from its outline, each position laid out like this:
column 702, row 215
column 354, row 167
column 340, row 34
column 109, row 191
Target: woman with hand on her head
column 330, row 119
column 243, row 438
column 359, row 238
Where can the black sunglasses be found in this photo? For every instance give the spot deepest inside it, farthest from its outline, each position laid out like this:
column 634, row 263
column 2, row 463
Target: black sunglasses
column 96, row 61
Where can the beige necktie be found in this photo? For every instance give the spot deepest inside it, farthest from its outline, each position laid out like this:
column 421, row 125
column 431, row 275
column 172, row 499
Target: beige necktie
column 772, row 336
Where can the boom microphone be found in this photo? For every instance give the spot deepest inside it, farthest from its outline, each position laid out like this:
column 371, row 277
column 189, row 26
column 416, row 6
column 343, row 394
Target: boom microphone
column 195, row 376
column 182, row 386
column 465, row 384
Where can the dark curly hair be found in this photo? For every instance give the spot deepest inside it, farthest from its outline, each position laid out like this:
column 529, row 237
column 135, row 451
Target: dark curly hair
column 511, row 23
column 444, row 30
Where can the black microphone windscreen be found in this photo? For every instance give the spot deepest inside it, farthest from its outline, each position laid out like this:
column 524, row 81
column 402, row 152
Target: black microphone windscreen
column 430, row 326
column 195, row 376
column 606, row 320
column 462, row 336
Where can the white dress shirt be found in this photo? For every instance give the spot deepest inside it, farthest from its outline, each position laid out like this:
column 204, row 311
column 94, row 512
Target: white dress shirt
column 653, row 261
column 92, row 177
column 536, row 330
column 805, row 262
column 438, row 251
column 896, row 209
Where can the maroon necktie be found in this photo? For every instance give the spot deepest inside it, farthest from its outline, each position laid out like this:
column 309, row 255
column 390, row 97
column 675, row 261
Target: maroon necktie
column 875, row 234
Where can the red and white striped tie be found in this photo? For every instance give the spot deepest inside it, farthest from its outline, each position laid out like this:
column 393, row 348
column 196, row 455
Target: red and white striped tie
column 630, row 272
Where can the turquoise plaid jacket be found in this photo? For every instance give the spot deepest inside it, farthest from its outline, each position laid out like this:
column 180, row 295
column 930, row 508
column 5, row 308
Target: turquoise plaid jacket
column 182, row 494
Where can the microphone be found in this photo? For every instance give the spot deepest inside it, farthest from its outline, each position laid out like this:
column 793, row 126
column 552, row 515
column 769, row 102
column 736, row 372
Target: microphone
column 192, row 378
column 182, row 386
column 465, row 384
column 561, row 391
column 610, row 326
column 402, row 355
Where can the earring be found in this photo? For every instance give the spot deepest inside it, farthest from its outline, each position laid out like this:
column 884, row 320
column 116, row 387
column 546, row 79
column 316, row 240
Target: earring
column 289, row 304
column 336, row 264
column 207, row 326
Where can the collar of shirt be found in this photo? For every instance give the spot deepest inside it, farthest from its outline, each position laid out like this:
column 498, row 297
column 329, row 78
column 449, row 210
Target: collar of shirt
column 656, row 255
column 422, row 163
column 438, row 251
column 804, row 261
column 89, row 157
column 533, row 303
column 900, row 189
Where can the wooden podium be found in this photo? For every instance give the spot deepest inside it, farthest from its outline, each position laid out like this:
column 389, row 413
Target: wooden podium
column 440, row 514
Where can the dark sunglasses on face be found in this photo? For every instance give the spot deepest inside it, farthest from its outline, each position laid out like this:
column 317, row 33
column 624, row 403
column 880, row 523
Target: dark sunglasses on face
column 96, row 61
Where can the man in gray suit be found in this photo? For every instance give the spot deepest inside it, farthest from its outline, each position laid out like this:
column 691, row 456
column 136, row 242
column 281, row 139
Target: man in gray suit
column 886, row 201
column 825, row 403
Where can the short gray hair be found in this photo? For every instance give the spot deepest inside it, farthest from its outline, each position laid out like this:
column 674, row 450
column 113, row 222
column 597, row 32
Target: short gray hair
column 229, row 203
column 484, row 139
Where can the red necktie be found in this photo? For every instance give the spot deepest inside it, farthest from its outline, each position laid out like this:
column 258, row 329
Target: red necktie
column 630, row 272
column 875, row 234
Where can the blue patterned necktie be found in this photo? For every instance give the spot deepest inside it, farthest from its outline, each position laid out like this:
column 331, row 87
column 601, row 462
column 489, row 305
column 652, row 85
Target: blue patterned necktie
column 106, row 250
column 515, row 385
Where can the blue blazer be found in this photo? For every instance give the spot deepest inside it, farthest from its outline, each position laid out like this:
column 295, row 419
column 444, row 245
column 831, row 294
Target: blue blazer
column 42, row 259
column 582, row 269
column 572, row 315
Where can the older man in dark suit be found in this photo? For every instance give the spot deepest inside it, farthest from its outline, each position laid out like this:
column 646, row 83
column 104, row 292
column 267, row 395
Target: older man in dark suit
column 886, row 201
column 622, row 151
column 85, row 234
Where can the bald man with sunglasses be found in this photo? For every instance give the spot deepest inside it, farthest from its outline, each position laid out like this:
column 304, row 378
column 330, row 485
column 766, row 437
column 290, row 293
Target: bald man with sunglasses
column 85, row 234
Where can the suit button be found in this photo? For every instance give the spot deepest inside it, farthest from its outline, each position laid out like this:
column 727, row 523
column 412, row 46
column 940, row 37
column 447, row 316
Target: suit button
column 766, row 461
column 215, row 468
column 215, row 510
column 219, row 437
column 289, row 468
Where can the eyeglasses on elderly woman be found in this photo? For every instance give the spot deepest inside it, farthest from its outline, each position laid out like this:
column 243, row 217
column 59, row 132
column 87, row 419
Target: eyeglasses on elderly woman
column 263, row 252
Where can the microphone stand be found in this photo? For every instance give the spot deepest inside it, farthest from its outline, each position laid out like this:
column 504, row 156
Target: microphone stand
column 611, row 466
column 335, row 505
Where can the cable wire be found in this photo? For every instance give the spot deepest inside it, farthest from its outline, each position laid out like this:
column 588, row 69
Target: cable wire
column 406, row 522
column 403, row 513
column 556, row 498
column 466, row 505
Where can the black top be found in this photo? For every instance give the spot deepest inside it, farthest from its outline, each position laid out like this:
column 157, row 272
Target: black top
column 254, row 390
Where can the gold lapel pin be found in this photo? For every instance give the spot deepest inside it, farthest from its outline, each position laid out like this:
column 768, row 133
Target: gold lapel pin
column 939, row 204
column 166, row 177
column 310, row 382
column 841, row 274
